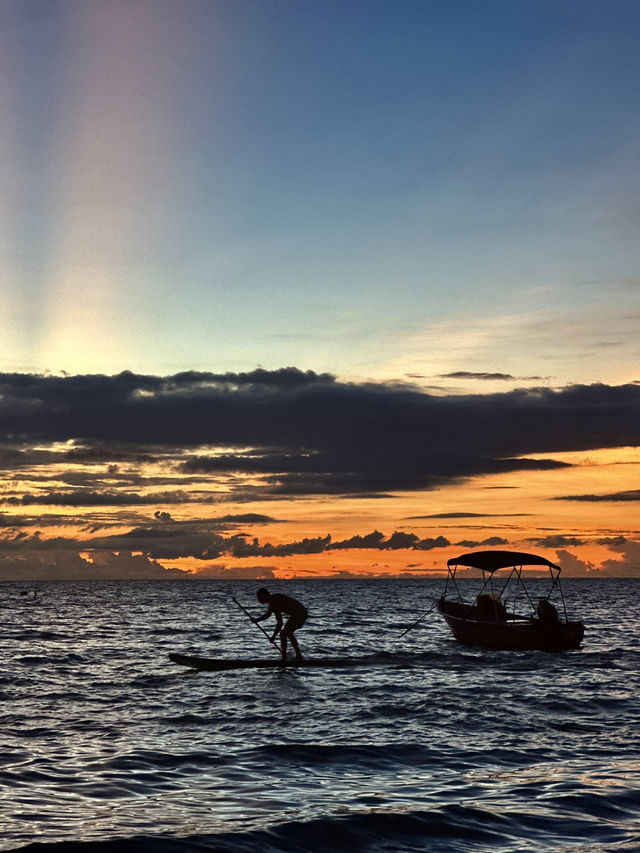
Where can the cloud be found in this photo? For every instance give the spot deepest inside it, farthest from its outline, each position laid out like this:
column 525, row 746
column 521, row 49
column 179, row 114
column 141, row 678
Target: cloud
column 627, row 566
column 370, row 540
column 503, row 377
column 174, row 540
column 631, row 495
column 358, row 471
column 20, row 457
column 234, row 572
column 396, row 541
column 246, row 518
column 21, row 541
column 491, row 542
column 558, row 540
column 169, row 542
column 613, row 541
column 451, row 515
column 470, row 515
column 301, row 433
column 162, row 543
column 90, row 498
column 572, row 566
column 17, row 521
column 239, row 547
column 56, row 565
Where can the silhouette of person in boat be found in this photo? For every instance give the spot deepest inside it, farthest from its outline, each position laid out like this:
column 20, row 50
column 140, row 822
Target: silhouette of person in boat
column 279, row 604
column 547, row 613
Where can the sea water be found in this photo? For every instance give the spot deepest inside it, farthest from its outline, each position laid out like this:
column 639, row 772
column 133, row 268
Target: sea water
column 428, row 746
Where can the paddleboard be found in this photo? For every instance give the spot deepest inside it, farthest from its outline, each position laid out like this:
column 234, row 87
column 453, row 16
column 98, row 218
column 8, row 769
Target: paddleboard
column 221, row 664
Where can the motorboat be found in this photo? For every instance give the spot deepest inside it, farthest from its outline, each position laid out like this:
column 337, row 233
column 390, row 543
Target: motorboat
column 504, row 612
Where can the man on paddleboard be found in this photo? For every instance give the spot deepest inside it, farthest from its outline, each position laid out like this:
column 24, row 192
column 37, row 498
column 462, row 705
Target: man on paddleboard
column 279, row 604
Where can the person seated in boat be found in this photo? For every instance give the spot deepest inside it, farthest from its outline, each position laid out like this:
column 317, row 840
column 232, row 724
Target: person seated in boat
column 277, row 605
column 547, row 613
column 490, row 608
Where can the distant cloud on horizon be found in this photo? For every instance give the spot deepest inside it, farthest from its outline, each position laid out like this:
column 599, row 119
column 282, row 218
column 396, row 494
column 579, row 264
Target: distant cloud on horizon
column 558, row 540
column 453, row 515
column 627, row 566
column 499, row 377
column 631, row 495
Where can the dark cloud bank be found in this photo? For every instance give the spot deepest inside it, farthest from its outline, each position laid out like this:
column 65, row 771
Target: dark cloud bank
column 295, row 433
column 307, row 433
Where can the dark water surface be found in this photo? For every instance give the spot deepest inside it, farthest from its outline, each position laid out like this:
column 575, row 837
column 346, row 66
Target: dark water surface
column 429, row 747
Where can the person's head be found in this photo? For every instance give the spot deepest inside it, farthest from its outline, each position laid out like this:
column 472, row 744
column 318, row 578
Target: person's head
column 263, row 595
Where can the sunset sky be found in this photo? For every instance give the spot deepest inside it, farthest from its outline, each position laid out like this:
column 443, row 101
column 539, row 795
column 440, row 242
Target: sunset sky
column 314, row 287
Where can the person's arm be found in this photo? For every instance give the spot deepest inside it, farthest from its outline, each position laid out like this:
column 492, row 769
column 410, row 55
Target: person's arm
column 264, row 615
column 278, row 616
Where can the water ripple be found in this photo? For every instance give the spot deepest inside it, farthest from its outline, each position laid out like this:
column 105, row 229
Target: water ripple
column 426, row 747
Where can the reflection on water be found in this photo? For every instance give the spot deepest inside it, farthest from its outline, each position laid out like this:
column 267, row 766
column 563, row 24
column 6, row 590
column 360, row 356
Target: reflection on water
column 441, row 748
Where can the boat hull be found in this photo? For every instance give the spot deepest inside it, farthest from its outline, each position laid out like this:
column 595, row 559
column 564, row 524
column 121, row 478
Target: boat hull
column 510, row 635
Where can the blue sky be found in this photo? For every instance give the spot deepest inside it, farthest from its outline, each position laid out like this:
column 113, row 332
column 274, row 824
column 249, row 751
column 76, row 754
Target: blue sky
column 376, row 189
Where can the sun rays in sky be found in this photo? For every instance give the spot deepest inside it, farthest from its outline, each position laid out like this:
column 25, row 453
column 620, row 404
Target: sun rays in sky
column 428, row 209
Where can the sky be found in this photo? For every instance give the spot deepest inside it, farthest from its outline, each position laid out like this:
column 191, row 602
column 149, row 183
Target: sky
column 307, row 287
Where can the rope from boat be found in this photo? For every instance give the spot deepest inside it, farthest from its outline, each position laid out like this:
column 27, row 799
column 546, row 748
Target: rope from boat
column 418, row 621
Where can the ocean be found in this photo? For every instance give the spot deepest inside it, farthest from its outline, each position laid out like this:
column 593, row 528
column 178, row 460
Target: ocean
column 429, row 746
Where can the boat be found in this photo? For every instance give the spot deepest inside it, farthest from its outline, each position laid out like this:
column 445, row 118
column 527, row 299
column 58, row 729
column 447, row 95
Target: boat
column 503, row 613
column 223, row 664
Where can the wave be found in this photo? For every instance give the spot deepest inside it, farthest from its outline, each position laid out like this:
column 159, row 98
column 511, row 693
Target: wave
column 146, row 759
column 449, row 829
column 170, row 630
column 424, row 747
column 378, row 757
column 54, row 659
column 31, row 634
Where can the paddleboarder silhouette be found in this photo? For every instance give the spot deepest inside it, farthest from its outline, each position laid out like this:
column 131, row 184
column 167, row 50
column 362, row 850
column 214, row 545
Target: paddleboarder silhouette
column 277, row 605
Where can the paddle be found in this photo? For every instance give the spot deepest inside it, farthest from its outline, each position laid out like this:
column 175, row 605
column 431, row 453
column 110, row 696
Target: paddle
column 244, row 609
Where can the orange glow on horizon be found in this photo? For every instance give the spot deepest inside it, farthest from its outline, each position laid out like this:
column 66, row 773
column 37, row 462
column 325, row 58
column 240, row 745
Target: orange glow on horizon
column 512, row 511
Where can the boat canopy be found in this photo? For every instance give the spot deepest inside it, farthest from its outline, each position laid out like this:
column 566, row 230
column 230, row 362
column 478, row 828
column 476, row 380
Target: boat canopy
column 491, row 561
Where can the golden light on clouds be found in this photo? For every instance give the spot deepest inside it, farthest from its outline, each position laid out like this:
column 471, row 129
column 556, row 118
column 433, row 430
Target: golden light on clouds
column 505, row 510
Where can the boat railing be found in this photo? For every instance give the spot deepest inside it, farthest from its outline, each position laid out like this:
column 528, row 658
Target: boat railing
column 502, row 592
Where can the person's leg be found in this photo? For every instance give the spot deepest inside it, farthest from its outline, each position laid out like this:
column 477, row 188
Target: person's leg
column 288, row 633
column 295, row 645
